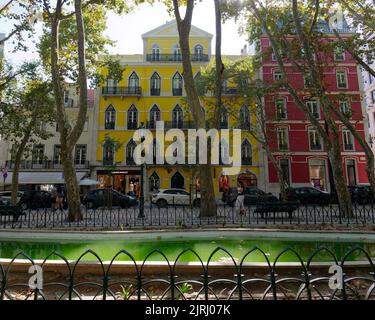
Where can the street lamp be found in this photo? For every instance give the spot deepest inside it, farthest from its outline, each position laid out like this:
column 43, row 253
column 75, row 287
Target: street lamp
column 142, row 196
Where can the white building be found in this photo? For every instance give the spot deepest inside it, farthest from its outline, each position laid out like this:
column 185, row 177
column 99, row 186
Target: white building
column 369, row 88
column 44, row 166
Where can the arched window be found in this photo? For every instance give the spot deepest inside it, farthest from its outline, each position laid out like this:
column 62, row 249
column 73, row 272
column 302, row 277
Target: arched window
column 155, row 84
column 110, row 118
column 130, row 152
column 224, row 118
column 108, row 153
column 133, row 83
column 177, row 84
column 246, row 153
column 155, row 53
column 178, row 181
column 177, row 117
column 154, row 116
column 176, row 53
column 154, row 182
column 132, row 117
column 244, row 118
column 198, row 53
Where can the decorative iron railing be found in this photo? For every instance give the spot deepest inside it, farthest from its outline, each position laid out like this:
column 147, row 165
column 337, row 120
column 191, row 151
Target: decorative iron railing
column 234, row 279
column 182, row 215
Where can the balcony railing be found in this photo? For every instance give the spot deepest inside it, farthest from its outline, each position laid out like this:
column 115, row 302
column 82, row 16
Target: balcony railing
column 244, row 125
column 229, row 91
column 247, row 161
column 109, row 125
column 175, row 57
column 45, row 164
column 121, row 91
column 177, row 91
column 132, row 125
column 130, row 161
column 155, row 92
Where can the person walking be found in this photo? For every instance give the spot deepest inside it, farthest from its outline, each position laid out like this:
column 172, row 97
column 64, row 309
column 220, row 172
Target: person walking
column 240, row 206
column 60, row 198
column 53, row 198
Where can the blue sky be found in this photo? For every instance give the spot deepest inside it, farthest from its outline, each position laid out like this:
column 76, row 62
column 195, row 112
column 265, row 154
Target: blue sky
column 127, row 30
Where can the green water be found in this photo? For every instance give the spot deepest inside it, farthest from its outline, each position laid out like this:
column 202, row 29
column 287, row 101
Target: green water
column 139, row 249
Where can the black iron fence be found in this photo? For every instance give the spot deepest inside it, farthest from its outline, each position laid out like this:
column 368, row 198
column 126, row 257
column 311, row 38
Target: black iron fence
column 236, row 279
column 186, row 216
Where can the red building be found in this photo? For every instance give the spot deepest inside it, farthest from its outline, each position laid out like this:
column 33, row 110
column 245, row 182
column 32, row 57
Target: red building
column 294, row 141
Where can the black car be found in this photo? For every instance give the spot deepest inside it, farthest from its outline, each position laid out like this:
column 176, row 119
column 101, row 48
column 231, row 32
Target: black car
column 34, row 199
column 103, row 197
column 254, row 195
column 230, row 196
column 361, row 194
column 6, row 209
column 309, row 195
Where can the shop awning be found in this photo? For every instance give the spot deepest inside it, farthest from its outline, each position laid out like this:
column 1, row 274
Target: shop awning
column 40, row 177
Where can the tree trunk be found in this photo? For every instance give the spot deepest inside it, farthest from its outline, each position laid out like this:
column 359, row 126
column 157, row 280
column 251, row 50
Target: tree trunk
column 280, row 175
column 208, row 203
column 74, row 203
column 343, row 195
column 17, row 163
column 15, row 175
column 68, row 136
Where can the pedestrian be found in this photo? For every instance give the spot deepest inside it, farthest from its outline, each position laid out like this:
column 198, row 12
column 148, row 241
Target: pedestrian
column 240, row 206
column 53, row 198
column 60, row 198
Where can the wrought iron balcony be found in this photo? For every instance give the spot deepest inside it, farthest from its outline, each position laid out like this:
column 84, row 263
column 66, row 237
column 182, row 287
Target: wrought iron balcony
column 121, row 91
column 230, row 91
column 45, row 164
column 175, row 57
column 179, row 125
column 177, row 91
column 155, row 91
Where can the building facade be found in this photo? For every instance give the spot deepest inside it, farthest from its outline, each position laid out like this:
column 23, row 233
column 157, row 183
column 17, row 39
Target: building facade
column 369, row 88
column 43, row 167
column 296, row 144
column 152, row 90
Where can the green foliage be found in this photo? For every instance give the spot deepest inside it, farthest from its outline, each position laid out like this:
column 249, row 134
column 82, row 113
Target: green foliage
column 26, row 107
column 95, row 25
column 125, row 292
column 115, row 71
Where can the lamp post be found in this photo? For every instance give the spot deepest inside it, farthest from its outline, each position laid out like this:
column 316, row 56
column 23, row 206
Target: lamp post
column 142, row 196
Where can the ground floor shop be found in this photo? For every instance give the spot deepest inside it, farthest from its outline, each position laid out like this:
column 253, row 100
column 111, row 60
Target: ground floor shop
column 316, row 171
column 129, row 180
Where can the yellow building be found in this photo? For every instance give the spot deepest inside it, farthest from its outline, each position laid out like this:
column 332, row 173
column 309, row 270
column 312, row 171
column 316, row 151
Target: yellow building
column 152, row 90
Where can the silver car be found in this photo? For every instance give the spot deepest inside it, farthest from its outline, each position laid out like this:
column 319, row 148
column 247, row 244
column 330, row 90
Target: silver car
column 165, row 197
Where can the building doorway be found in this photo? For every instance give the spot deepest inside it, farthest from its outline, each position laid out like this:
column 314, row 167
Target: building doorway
column 317, row 172
column 178, row 181
column 351, row 172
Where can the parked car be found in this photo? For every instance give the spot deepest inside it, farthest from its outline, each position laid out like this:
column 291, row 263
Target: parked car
column 254, row 195
column 98, row 198
column 361, row 194
column 34, row 199
column 7, row 195
column 309, row 195
column 229, row 197
column 165, row 197
column 6, row 209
